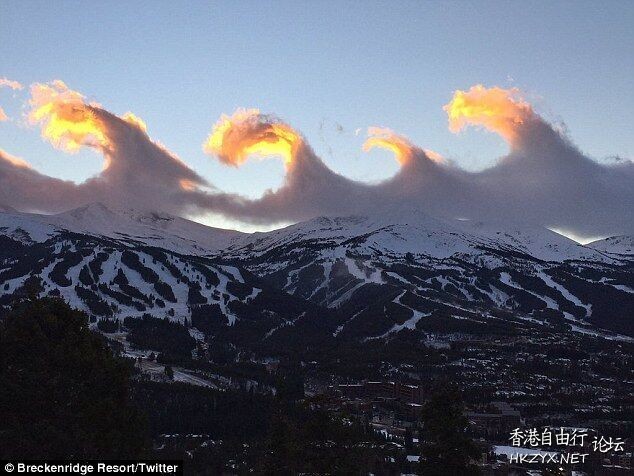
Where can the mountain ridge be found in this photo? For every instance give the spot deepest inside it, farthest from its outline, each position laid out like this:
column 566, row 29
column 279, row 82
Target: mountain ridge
column 373, row 275
column 620, row 244
column 149, row 227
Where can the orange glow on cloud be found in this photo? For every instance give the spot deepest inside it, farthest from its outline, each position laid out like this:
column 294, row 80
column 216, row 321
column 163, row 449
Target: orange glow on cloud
column 434, row 156
column 3, row 115
column 8, row 83
column 135, row 120
column 68, row 122
column 187, row 185
column 498, row 110
column 248, row 132
column 17, row 161
column 387, row 139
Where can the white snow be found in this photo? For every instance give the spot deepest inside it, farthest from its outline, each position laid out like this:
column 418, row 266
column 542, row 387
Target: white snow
column 367, row 246
column 506, row 279
column 369, row 277
column 153, row 228
column 565, row 293
column 620, row 245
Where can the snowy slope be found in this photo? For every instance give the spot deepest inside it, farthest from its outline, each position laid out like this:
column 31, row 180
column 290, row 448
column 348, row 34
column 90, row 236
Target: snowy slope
column 619, row 245
column 420, row 234
column 110, row 279
column 538, row 242
column 360, row 264
column 25, row 227
column 384, row 273
column 152, row 228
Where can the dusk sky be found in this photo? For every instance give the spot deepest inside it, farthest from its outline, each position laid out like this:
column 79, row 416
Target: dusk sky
column 329, row 69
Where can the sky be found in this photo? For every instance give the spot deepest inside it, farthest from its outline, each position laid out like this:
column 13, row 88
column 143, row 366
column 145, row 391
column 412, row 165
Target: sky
column 330, row 69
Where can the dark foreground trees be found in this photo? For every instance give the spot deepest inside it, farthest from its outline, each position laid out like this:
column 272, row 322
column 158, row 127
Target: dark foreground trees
column 63, row 394
column 447, row 449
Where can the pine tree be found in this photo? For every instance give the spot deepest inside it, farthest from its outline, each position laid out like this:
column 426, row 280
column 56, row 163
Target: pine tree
column 63, row 394
column 169, row 372
column 447, row 450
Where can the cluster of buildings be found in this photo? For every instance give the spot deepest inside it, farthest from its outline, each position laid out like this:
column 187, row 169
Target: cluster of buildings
column 393, row 407
column 394, row 410
column 495, row 422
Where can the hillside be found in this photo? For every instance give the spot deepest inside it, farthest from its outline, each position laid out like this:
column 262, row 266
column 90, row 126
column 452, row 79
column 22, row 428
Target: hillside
column 367, row 276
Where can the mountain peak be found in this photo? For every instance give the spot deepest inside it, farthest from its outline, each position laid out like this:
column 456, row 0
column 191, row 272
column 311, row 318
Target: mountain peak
column 153, row 228
column 622, row 245
column 95, row 210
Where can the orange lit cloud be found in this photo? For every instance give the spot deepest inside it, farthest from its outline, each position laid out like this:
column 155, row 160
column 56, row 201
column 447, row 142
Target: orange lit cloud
column 135, row 120
column 3, row 115
column 248, row 132
column 136, row 169
column 496, row 109
column 404, row 151
column 543, row 179
column 13, row 160
column 435, row 156
column 389, row 140
column 8, row 83
column 188, row 185
column 67, row 121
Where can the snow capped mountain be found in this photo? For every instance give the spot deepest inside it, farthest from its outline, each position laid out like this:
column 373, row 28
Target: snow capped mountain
column 25, row 227
column 128, row 225
column 110, row 278
column 374, row 276
column 538, row 242
column 424, row 236
column 417, row 265
column 618, row 245
column 402, row 230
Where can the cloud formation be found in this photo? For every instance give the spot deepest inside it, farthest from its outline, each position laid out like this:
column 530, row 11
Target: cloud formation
column 67, row 121
column 247, row 133
column 137, row 171
column 496, row 109
column 544, row 179
column 8, row 83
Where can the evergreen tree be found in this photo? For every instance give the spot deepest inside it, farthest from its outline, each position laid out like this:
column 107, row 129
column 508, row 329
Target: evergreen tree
column 446, row 450
column 283, row 448
column 63, row 394
column 409, row 441
column 290, row 382
column 169, row 372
